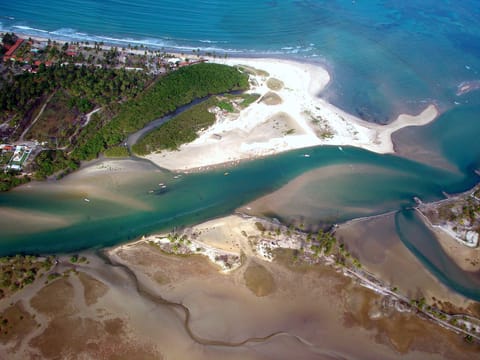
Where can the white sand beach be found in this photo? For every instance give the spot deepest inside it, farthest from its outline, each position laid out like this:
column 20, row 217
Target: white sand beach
column 296, row 118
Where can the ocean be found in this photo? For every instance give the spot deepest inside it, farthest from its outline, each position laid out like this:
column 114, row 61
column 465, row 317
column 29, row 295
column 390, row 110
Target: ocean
column 385, row 58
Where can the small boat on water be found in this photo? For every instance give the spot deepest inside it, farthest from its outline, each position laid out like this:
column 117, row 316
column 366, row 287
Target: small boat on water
column 86, row 199
column 163, row 186
column 306, row 155
column 177, row 176
column 340, row 148
column 226, row 173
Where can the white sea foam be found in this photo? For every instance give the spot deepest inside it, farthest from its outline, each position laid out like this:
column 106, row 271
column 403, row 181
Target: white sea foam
column 29, row 29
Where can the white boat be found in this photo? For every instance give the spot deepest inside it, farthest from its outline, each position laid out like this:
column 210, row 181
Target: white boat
column 87, row 200
column 177, row 176
column 163, row 186
column 340, row 148
column 306, row 155
column 226, row 173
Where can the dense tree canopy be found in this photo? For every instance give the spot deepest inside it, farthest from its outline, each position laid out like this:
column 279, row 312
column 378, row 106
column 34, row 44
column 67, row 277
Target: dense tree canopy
column 88, row 84
column 176, row 89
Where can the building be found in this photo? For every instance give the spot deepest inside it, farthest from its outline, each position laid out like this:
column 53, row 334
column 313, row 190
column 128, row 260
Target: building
column 10, row 54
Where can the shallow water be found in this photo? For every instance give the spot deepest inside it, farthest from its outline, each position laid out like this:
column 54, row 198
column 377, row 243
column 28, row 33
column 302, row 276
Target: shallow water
column 381, row 250
column 129, row 209
column 385, row 57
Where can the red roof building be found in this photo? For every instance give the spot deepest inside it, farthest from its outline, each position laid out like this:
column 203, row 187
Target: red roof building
column 13, row 48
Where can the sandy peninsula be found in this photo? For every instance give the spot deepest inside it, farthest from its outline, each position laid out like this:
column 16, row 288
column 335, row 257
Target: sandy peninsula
column 288, row 115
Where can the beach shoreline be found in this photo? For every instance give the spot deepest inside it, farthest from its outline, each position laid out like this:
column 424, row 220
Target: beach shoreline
column 312, row 121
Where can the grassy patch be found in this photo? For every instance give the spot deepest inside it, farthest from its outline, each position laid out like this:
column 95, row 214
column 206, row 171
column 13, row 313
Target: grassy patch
column 5, row 157
column 49, row 162
column 248, row 99
column 227, row 106
column 117, row 152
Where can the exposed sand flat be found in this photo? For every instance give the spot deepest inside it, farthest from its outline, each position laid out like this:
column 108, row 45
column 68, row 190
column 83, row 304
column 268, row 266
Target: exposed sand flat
column 262, row 310
column 309, row 306
column 375, row 242
column 467, row 258
column 316, row 122
column 100, row 181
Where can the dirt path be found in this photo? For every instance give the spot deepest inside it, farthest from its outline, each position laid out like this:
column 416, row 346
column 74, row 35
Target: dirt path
column 37, row 117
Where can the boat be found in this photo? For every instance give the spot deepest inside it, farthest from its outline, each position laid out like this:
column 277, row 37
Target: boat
column 226, row 173
column 177, row 176
column 86, row 199
column 163, row 186
column 306, row 155
column 340, row 148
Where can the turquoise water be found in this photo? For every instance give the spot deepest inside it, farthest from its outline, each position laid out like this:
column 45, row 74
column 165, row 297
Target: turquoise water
column 385, row 58
column 196, row 197
column 418, row 239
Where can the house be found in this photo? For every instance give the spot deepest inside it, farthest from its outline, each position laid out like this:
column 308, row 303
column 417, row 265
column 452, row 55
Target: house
column 10, row 54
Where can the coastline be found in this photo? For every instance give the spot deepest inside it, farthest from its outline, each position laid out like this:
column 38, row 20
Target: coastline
column 312, row 121
column 231, row 243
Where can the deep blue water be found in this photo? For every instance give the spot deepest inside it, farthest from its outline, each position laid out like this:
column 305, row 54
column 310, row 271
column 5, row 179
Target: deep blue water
column 385, row 58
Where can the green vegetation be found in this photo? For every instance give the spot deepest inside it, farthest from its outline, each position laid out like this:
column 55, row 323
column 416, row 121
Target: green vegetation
column 227, row 106
column 126, row 108
column 20, row 270
column 53, row 276
column 170, row 92
column 179, row 130
column 10, row 180
column 85, row 86
column 59, row 120
column 117, row 151
column 248, row 99
column 184, row 128
column 5, row 157
column 50, row 162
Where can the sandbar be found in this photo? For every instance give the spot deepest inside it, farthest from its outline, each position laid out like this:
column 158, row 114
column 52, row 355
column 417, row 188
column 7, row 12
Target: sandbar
column 313, row 121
